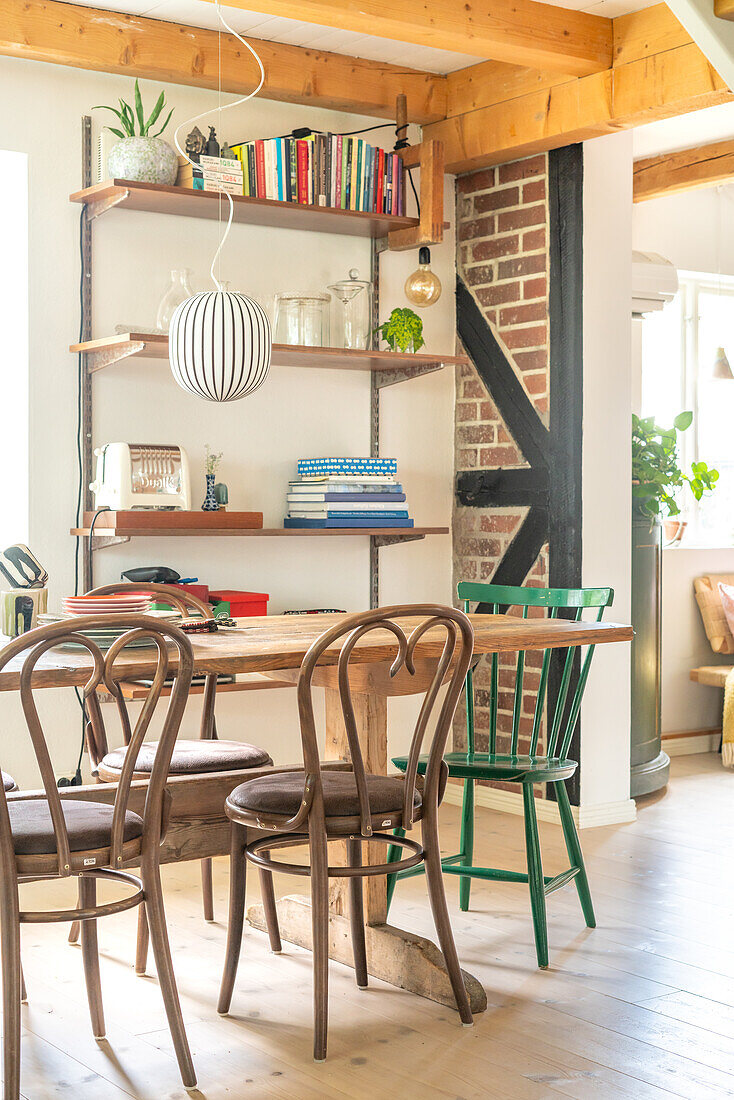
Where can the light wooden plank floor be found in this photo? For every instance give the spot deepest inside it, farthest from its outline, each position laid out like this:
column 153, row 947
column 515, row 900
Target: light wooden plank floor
column 640, row 1008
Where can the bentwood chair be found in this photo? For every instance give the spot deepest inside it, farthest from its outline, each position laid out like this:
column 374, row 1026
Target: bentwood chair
column 54, row 838
column 525, row 763
column 317, row 807
column 195, row 757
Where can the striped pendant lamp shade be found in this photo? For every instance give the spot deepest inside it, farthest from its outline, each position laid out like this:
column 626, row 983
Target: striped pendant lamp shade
column 219, row 345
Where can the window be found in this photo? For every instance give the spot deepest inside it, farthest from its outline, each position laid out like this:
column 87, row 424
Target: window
column 679, row 346
column 14, row 363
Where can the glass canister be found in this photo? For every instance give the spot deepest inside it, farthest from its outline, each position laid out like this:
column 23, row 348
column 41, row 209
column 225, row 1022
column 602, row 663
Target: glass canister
column 353, row 307
column 302, row 319
column 178, row 291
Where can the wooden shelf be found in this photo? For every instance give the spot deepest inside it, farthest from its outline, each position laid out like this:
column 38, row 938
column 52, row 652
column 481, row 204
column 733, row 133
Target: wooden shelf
column 156, row 198
column 248, row 681
column 388, row 366
column 383, row 534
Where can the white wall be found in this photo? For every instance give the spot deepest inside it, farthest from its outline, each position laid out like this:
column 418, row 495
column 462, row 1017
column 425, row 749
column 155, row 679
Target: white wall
column 297, row 413
column 694, row 230
column 605, row 718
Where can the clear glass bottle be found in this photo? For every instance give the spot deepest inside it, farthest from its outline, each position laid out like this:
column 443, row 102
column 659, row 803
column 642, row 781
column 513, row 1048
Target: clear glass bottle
column 178, row 291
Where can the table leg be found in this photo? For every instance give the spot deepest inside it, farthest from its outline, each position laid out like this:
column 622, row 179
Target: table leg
column 393, row 955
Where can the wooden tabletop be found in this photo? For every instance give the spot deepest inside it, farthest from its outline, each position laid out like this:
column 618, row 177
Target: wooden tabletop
column 273, row 642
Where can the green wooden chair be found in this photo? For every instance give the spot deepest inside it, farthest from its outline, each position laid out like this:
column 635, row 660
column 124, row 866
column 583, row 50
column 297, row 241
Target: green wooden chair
column 551, row 767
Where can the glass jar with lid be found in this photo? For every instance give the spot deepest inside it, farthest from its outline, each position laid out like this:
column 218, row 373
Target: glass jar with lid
column 302, row 319
column 353, row 309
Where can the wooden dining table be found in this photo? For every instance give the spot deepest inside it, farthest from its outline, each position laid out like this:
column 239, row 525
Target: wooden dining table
column 275, row 646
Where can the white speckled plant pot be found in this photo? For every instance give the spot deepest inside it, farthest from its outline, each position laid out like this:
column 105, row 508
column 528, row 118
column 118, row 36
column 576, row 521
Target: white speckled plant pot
column 147, row 160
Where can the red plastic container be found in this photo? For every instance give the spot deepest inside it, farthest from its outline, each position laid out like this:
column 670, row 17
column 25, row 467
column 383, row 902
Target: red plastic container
column 201, row 591
column 242, row 604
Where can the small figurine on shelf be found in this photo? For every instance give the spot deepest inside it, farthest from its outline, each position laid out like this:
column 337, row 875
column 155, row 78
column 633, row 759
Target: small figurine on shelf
column 195, row 142
column 227, row 153
column 211, row 465
column 212, row 146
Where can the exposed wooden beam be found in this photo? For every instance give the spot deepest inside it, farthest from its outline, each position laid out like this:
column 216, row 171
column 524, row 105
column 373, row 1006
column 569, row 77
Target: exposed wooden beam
column 541, row 112
column 685, row 170
column 523, row 32
column 104, row 41
column 724, row 9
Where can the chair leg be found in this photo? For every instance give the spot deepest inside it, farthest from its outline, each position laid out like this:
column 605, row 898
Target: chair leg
column 437, row 897
column 573, row 847
column 467, row 842
column 535, row 876
column 90, row 957
column 269, row 908
column 356, row 914
column 318, row 851
column 206, row 889
column 11, row 971
column 75, row 931
column 162, row 953
column 393, row 855
column 141, row 945
column 236, row 923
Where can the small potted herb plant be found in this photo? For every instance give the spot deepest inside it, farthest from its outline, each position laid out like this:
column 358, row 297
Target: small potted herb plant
column 141, row 154
column 403, row 331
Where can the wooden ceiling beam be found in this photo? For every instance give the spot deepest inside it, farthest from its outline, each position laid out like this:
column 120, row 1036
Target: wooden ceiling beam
column 522, row 32
column 684, row 170
column 496, row 114
column 105, row 41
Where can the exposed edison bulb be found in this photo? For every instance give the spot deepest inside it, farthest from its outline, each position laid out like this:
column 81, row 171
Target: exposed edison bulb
column 423, row 287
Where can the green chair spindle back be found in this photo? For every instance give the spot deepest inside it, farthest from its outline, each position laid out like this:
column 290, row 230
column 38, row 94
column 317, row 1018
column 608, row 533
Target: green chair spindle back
column 494, row 599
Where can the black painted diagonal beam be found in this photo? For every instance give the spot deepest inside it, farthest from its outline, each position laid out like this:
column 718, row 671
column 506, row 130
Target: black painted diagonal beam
column 500, row 380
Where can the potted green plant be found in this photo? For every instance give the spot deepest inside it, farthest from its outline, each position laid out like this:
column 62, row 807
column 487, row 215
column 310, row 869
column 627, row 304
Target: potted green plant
column 657, row 479
column 403, row 331
column 141, row 154
column 659, row 486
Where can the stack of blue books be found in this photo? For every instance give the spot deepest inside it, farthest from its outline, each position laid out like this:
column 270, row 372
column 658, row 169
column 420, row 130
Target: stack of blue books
column 347, row 492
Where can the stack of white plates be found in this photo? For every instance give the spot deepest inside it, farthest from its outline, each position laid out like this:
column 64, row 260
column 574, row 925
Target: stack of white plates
column 133, row 603
column 104, row 636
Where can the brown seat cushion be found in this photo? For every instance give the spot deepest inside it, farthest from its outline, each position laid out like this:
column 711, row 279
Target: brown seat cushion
column 190, row 757
column 9, row 783
column 89, row 825
column 282, row 792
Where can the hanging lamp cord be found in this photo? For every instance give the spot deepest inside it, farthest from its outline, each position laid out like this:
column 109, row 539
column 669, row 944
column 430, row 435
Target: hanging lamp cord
column 219, row 109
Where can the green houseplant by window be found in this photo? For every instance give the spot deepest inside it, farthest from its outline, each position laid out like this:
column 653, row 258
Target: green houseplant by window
column 141, row 154
column 658, row 485
column 658, row 482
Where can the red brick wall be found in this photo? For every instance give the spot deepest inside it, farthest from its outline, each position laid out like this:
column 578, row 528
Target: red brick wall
column 502, row 246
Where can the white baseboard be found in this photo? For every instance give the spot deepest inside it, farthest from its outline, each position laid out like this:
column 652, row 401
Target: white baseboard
column 510, row 802
column 690, row 742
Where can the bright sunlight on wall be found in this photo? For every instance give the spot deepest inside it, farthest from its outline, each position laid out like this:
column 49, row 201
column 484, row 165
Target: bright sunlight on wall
column 679, row 346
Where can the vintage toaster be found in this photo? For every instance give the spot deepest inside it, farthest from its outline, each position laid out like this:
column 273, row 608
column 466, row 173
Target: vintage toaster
column 141, row 475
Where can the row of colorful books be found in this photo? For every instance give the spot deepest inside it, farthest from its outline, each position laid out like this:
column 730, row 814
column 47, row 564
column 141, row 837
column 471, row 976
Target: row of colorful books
column 323, row 170
column 347, row 492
